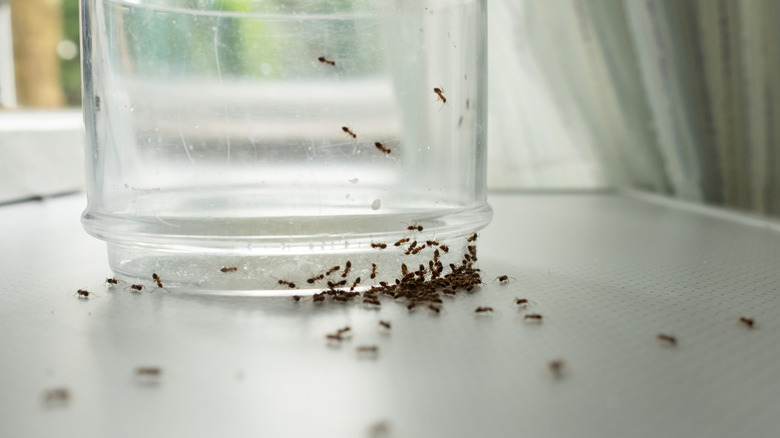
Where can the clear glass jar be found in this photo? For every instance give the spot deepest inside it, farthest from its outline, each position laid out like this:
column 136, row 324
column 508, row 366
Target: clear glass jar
column 282, row 137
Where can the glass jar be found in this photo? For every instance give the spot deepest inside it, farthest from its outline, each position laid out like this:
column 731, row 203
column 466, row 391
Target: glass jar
column 237, row 145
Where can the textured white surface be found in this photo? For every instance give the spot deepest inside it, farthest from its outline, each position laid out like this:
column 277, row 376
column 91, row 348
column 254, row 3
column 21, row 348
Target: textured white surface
column 607, row 272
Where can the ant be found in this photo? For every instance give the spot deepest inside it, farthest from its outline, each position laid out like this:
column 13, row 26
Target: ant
column 483, row 309
column 444, row 248
column 148, row 371
column 317, row 278
column 440, row 93
column 431, row 243
column 414, row 228
column 289, row 284
column 667, row 338
column 348, row 131
column 56, row 395
column 354, row 285
column 382, row 148
column 379, row 245
column 472, row 238
column 111, row 281
column 404, row 269
column 341, row 331
column 137, row 287
column 373, row 271
column 433, row 308
column 157, row 280
column 747, row 321
column 521, row 301
column 503, row 279
column 556, row 368
column 84, row 293
column 347, row 267
column 373, row 349
column 230, row 269
column 385, row 324
column 333, row 269
column 373, row 301
column 533, row 316
column 325, row 60
column 318, row 298
column 296, row 298
column 333, row 285
column 402, row 241
column 334, row 337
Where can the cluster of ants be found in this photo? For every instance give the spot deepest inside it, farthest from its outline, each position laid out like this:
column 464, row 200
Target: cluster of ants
column 85, row 294
column 421, row 287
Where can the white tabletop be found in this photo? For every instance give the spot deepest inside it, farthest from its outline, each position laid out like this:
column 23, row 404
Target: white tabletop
column 608, row 272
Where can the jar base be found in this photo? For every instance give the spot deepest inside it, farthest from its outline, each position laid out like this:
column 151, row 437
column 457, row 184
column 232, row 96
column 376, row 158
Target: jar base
column 281, row 268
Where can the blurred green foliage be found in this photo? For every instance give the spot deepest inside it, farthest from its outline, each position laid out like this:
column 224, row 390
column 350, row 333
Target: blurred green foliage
column 71, row 69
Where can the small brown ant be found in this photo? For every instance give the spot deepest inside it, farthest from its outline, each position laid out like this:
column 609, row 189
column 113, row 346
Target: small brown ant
column 84, row 293
column 334, row 337
column 404, row 269
column 556, row 368
column 414, row 228
column 354, row 285
column 317, row 278
column 444, row 248
column 483, row 309
column 325, row 60
column 148, row 371
column 533, row 316
column 333, row 269
column 385, row 324
column 440, row 92
column 382, row 148
column 230, row 269
column 379, row 245
column 521, row 301
column 296, row 298
column 433, row 308
column 318, row 298
column 157, row 280
column 503, row 279
column 373, row 271
column 341, row 331
column 137, row 287
column 402, row 241
column 747, row 321
column 289, row 284
column 373, row 349
column 346, row 269
column 667, row 338
column 111, row 281
column 373, row 301
column 472, row 238
column 56, row 395
column 333, row 285
column 348, row 131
